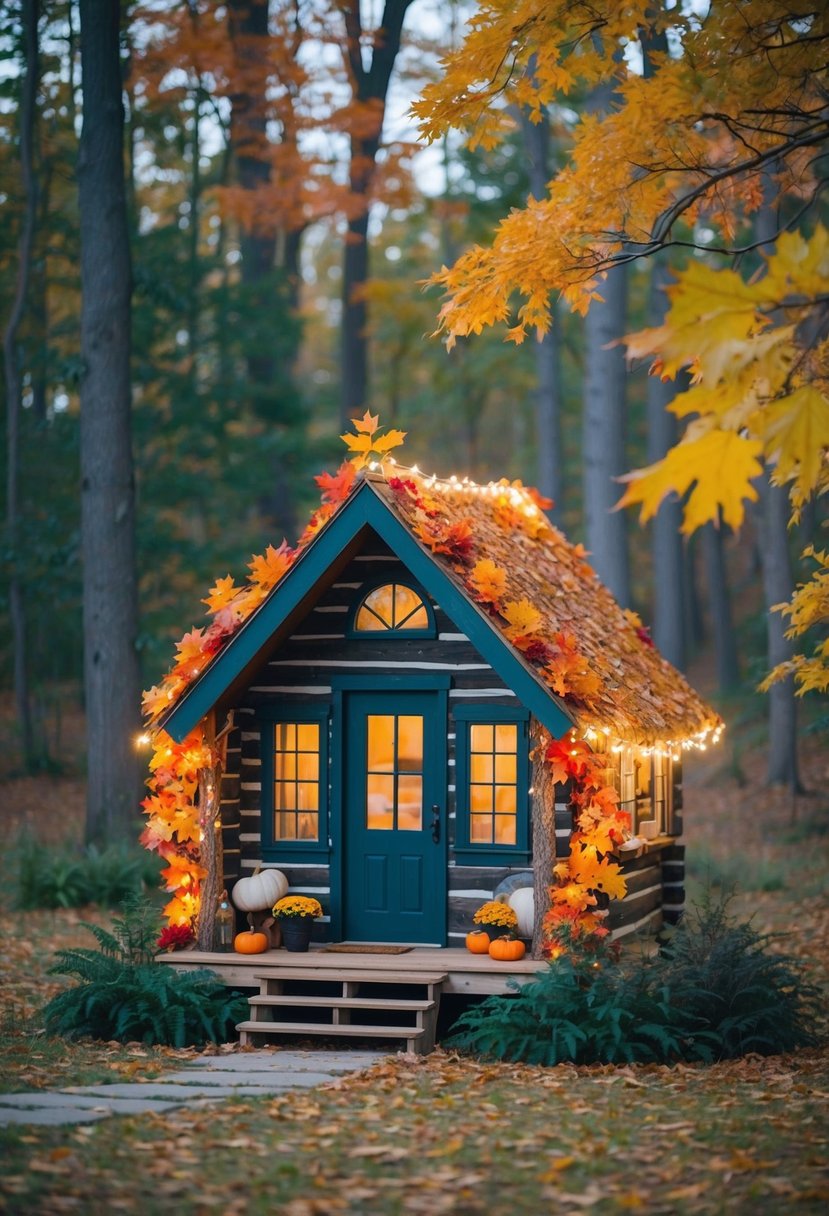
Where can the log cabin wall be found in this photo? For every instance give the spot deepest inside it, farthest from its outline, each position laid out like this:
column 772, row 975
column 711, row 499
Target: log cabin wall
column 300, row 674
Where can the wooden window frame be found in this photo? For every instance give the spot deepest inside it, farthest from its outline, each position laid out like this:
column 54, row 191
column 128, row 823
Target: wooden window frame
column 367, row 588
column 466, row 852
column 302, row 715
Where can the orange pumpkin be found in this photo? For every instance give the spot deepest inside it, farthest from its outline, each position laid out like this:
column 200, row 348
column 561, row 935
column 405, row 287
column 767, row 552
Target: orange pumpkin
column 250, row 942
column 478, row 941
column 507, row 949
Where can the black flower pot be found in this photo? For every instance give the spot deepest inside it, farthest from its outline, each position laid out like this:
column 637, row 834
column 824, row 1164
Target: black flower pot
column 296, row 933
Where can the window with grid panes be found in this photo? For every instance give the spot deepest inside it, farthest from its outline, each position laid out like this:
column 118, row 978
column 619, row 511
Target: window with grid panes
column 492, row 791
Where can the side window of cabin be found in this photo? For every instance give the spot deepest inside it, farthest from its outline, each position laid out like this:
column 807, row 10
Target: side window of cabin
column 645, row 792
column 492, row 785
column 294, row 782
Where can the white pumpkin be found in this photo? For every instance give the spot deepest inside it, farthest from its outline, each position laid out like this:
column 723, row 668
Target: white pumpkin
column 261, row 890
column 522, row 903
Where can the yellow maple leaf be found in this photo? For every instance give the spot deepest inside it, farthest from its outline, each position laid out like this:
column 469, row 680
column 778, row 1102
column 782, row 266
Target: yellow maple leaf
column 154, row 701
column 357, row 443
column 522, row 618
column 391, row 439
column 797, row 435
column 720, row 465
column 595, row 873
column 488, row 580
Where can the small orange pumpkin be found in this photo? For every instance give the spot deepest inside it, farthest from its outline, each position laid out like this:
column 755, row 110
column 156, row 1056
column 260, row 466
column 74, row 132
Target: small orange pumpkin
column 478, row 941
column 249, row 942
column 507, row 949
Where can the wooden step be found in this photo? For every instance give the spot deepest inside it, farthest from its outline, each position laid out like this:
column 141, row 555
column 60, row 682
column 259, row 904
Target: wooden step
column 352, row 974
column 248, row 1031
column 341, row 1002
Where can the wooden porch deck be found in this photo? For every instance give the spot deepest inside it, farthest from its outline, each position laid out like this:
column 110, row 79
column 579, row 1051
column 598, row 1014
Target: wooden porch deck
column 466, row 973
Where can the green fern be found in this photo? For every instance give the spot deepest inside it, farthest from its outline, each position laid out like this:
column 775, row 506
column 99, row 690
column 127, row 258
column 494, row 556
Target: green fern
column 121, row 994
column 713, row 993
column 145, row 1003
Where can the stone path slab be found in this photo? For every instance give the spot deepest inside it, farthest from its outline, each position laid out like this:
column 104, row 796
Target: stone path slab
column 204, row 1080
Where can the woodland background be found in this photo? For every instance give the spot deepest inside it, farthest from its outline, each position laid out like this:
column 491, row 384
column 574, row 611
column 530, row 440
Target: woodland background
column 282, row 222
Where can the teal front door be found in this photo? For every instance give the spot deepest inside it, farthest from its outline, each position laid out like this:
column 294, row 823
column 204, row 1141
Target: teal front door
column 394, row 824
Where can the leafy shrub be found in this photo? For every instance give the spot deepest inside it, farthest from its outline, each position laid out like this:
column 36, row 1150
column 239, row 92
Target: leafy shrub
column 62, row 877
column 121, row 994
column 713, row 993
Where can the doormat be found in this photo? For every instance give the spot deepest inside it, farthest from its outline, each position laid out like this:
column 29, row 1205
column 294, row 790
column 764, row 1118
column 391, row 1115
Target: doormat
column 346, row 948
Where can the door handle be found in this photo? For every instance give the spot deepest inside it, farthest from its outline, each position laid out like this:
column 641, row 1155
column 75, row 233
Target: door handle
column 436, row 823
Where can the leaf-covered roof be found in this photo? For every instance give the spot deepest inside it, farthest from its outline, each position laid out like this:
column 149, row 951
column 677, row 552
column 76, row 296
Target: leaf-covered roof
column 567, row 638
column 637, row 696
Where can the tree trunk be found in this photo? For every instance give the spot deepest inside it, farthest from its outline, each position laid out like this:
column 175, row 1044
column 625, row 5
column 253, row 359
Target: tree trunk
column 110, row 613
column 548, row 350
column 12, row 376
column 544, row 836
column 778, row 585
column 369, row 89
column 719, row 598
column 603, row 440
column 669, row 629
column 249, row 146
column 210, row 844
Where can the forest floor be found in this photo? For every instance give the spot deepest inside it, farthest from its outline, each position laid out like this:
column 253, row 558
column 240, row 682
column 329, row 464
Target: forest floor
column 444, row 1133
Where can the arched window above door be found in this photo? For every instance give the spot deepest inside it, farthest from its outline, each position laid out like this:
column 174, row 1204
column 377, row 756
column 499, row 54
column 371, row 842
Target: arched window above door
column 393, row 608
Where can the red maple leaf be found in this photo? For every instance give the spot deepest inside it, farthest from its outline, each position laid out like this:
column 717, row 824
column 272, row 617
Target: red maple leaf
column 337, row 487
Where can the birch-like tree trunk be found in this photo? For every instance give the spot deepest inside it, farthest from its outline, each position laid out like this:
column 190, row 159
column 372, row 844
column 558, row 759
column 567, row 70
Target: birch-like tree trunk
column 669, row 599
column 110, row 611
column 604, row 420
column 548, row 393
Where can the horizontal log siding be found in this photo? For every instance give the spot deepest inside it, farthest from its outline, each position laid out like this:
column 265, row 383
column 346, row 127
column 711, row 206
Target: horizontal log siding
column 301, row 671
column 229, row 810
column 641, row 908
column 673, row 883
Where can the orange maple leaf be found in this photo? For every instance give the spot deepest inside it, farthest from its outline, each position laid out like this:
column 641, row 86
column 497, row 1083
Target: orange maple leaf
column 573, row 895
column 221, row 593
column 266, row 570
column 367, row 424
column 189, row 654
column 488, row 580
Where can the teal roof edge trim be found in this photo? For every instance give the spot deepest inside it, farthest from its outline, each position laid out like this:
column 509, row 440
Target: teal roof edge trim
column 363, row 508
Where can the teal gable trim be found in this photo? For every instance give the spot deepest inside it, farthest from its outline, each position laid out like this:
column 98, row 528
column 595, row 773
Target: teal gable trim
column 363, row 509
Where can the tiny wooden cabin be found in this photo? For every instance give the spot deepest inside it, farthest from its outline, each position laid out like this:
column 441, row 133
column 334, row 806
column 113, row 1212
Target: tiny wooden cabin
column 382, row 716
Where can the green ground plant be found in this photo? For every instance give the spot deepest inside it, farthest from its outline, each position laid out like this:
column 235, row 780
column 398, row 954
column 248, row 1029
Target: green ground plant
column 714, row 992
column 122, row 995
column 66, row 877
